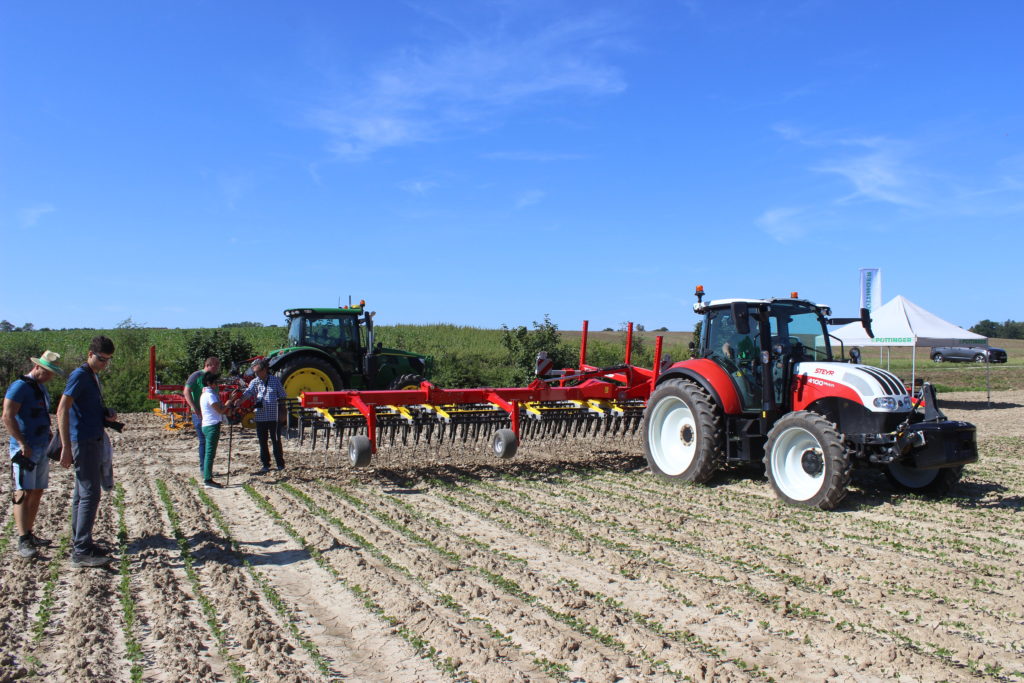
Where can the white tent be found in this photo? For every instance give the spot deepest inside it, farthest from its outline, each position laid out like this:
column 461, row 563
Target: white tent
column 901, row 322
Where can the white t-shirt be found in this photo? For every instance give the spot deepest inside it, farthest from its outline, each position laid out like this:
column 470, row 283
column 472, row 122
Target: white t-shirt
column 206, row 401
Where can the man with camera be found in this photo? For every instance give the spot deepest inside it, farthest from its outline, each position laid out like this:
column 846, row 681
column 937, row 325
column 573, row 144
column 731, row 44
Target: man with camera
column 27, row 419
column 81, row 417
column 270, row 397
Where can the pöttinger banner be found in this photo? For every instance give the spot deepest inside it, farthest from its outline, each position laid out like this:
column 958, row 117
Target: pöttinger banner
column 870, row 288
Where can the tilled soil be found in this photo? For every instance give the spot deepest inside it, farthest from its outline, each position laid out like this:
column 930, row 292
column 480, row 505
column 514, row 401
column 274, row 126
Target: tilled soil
column 568, row 562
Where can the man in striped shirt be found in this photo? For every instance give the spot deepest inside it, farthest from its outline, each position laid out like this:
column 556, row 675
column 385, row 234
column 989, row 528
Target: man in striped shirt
column 269, row 394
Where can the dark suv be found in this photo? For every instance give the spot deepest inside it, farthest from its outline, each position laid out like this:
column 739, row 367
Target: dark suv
column 967, row 354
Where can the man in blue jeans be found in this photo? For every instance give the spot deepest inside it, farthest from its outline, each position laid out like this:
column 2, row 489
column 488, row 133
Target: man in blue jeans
column 192, row 391
column 80, row 418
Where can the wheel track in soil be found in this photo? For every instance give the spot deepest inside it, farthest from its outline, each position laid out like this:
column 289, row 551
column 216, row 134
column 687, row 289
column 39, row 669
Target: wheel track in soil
column 551, row 566
column 355, row 641
column 881, row 635
column 642, row 644
column 534, row 630
column 421, row 608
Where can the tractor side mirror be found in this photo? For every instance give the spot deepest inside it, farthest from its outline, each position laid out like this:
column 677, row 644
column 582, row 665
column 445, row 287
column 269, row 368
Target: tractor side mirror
column 865, row 321
column 741, row 315
column 855, row 355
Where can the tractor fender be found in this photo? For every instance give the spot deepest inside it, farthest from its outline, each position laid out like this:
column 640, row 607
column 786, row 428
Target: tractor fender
column 711, row 377
column 278, row 359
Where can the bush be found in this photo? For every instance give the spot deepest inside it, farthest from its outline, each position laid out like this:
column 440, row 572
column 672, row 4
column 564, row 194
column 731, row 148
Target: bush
column 523, row 346
column 201, row 344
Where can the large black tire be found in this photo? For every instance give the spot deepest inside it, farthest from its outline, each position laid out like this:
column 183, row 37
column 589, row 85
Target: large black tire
column 404, row 382
column 933, row 483
column 805, row 461
column 359, row 451
column 308, row 373
column 504, row 444
column 683, row 435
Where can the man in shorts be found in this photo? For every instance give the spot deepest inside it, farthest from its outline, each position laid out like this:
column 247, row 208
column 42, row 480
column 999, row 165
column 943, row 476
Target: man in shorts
column 27, row 419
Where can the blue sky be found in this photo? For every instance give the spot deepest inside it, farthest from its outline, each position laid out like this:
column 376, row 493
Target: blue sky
column 485, row 163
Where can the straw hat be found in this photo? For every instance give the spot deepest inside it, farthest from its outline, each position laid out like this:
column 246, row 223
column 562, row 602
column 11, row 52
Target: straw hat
column 48, row 361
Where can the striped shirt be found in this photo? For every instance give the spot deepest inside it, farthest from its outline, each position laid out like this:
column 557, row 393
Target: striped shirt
column 270, row 392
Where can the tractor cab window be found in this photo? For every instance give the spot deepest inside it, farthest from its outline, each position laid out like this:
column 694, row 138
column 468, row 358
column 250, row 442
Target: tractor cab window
column 295, row 332
column 331, row 333
column 739, row 354
column 799, row 331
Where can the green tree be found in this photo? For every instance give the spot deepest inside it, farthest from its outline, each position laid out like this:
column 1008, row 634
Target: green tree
column 523, row 345
column 201, row 344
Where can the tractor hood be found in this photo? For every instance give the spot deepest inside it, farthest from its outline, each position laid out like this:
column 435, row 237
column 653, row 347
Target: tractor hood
column 877, row 390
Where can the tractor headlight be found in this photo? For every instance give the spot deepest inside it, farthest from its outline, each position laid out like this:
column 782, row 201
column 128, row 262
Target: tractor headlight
column 885, row 403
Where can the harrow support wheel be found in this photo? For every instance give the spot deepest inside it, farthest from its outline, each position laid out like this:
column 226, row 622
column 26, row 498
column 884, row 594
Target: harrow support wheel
column 805, row 461
column 935, row 483
column 683, row 434
column 308, row 373
column 359, row 451
column 407, row 382
column 505, row 443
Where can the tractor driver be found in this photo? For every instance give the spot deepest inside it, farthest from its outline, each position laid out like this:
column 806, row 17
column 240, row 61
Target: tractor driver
column 736, row 347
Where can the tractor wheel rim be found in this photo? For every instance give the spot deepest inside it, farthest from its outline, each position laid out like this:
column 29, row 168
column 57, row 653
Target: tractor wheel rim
column 798, row 464
column 306, row 379
column 672, row 436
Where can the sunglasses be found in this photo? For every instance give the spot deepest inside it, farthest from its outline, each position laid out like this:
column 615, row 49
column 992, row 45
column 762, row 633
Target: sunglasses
column 103, row 359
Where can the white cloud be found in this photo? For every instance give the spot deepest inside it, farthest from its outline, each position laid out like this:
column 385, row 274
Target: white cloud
column 529, row 198
column 29, row 216
column 783, row 223
column 879, row 172
column 427, row 93
column 418, row 187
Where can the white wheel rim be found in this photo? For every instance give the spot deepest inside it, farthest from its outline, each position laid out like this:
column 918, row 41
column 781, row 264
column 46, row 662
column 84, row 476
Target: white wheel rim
column 672, row 435
column 912, row 477
column 788, row 464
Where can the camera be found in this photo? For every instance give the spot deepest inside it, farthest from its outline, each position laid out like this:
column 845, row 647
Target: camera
column 113, row 424
column 258, row 405
column 23, row 462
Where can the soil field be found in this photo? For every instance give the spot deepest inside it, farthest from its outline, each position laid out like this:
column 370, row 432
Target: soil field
column 570, row 562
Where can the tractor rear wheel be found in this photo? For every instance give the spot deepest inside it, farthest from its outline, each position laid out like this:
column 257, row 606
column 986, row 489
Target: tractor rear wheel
column 308, row 373
column 805, row 461
column 933, row 483
column 683, row 434
column 406, row 382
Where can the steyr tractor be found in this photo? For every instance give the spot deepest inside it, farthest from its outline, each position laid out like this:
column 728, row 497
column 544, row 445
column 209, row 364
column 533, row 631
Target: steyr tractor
column 330, row 349
column 764, row 386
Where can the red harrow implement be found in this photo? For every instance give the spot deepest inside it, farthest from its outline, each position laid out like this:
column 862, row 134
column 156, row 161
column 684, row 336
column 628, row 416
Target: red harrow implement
column 581, row 402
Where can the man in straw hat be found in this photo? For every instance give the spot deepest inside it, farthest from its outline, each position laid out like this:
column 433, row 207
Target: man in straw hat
column 27, row 419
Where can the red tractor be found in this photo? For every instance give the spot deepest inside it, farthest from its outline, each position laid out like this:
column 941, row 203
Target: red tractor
column 764, row 386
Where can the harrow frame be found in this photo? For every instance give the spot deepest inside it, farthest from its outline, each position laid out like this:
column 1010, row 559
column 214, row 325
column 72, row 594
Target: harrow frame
column 593, row 389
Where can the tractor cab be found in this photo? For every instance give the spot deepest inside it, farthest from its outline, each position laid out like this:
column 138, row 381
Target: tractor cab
column 342, row 333
column 759, row 342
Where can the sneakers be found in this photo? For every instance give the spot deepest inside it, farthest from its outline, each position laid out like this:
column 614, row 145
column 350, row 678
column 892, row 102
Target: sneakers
column 211, row 484
column 90, row 559
column 26, row 549
column 280, row 468
column 40, row 542
column 263, row 470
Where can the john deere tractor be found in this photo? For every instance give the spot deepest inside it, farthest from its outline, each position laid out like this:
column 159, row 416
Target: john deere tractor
column 330, row 349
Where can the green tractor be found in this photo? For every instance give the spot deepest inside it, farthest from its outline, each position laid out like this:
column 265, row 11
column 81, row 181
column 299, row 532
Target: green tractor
column 330, row 349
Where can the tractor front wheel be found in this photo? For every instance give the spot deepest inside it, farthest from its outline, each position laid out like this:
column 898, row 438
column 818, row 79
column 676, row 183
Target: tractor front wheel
column 308, row 373
column 682, row 431
column 406, row 383
column 935, row 483
column 805, row 461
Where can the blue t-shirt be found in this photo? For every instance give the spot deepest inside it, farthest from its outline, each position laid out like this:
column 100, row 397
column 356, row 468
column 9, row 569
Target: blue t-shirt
column 87, row 410
column 33, row 417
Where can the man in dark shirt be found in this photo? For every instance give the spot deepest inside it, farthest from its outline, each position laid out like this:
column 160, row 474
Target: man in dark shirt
column 80, row 418
column 192, row 391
